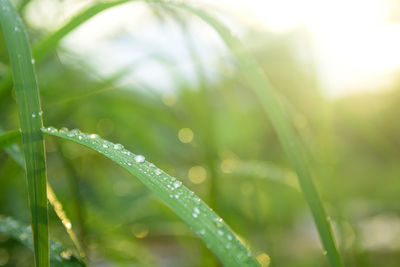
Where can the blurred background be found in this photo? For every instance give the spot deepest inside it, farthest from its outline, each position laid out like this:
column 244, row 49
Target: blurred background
column 164, row 84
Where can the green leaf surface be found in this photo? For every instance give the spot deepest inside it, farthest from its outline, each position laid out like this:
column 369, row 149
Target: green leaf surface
column 218, row 237
column 30, row 117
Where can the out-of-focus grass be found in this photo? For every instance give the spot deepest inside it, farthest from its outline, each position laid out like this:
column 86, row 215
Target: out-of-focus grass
column 353, row 141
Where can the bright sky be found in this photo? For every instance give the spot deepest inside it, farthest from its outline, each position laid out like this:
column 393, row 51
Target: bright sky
column 355, row 42
column 356, row 45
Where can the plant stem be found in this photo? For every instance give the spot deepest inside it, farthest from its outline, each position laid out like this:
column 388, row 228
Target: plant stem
column 30, row 116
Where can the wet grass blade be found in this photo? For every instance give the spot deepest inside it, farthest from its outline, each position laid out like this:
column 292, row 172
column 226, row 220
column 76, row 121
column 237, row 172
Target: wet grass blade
column 9, row 138
column 29, row 111
column 23, row 234
column 285, row 131
column 194, row 212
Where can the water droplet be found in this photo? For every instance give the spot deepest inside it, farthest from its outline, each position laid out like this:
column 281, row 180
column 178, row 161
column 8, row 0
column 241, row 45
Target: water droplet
column 177, row 184
column 64, row 129
column 105, row 146
column 196, row 210
column 218, row 222
column 66, row 255
column 16, row 29
column 139, row 158
column 129, row 164
column 68, row 225
column 202, row 232
column 195, row 215
column 176, row 196
column 157, row 172
column 33, row 115
column 229, row 237
column 118, row 146
column 77, row 131
column 80, row 137
column 93, row 136
column 40, row 113
column 33, row 62
column 220, row 232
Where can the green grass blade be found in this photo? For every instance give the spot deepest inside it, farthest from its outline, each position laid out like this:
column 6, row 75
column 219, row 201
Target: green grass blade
column 29, row 111
column 286, row 134
column 9, row 138
column 23, row 234
column 207, row 225
column 12, row 137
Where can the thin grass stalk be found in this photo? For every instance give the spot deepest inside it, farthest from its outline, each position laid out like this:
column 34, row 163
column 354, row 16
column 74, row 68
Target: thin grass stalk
column 285, row 132
column 30, row 117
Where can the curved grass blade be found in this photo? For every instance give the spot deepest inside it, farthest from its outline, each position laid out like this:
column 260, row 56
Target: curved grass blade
column 206, row 224
column 23, row 234
column 264, row 90
column 29, row 111
column 9, row 138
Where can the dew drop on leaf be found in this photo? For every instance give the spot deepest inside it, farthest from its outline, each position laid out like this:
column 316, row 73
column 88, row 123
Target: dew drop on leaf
column 139, row 158
column 118, row 146
column 93, row 136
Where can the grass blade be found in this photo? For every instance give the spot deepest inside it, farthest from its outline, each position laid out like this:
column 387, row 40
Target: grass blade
column 23, row 234
column 194, row 212
column 16, row 154
column 29, row 111
column 9, row 138
column 286, row 134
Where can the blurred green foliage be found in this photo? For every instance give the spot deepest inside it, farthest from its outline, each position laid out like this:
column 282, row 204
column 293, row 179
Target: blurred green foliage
column 353, row 143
